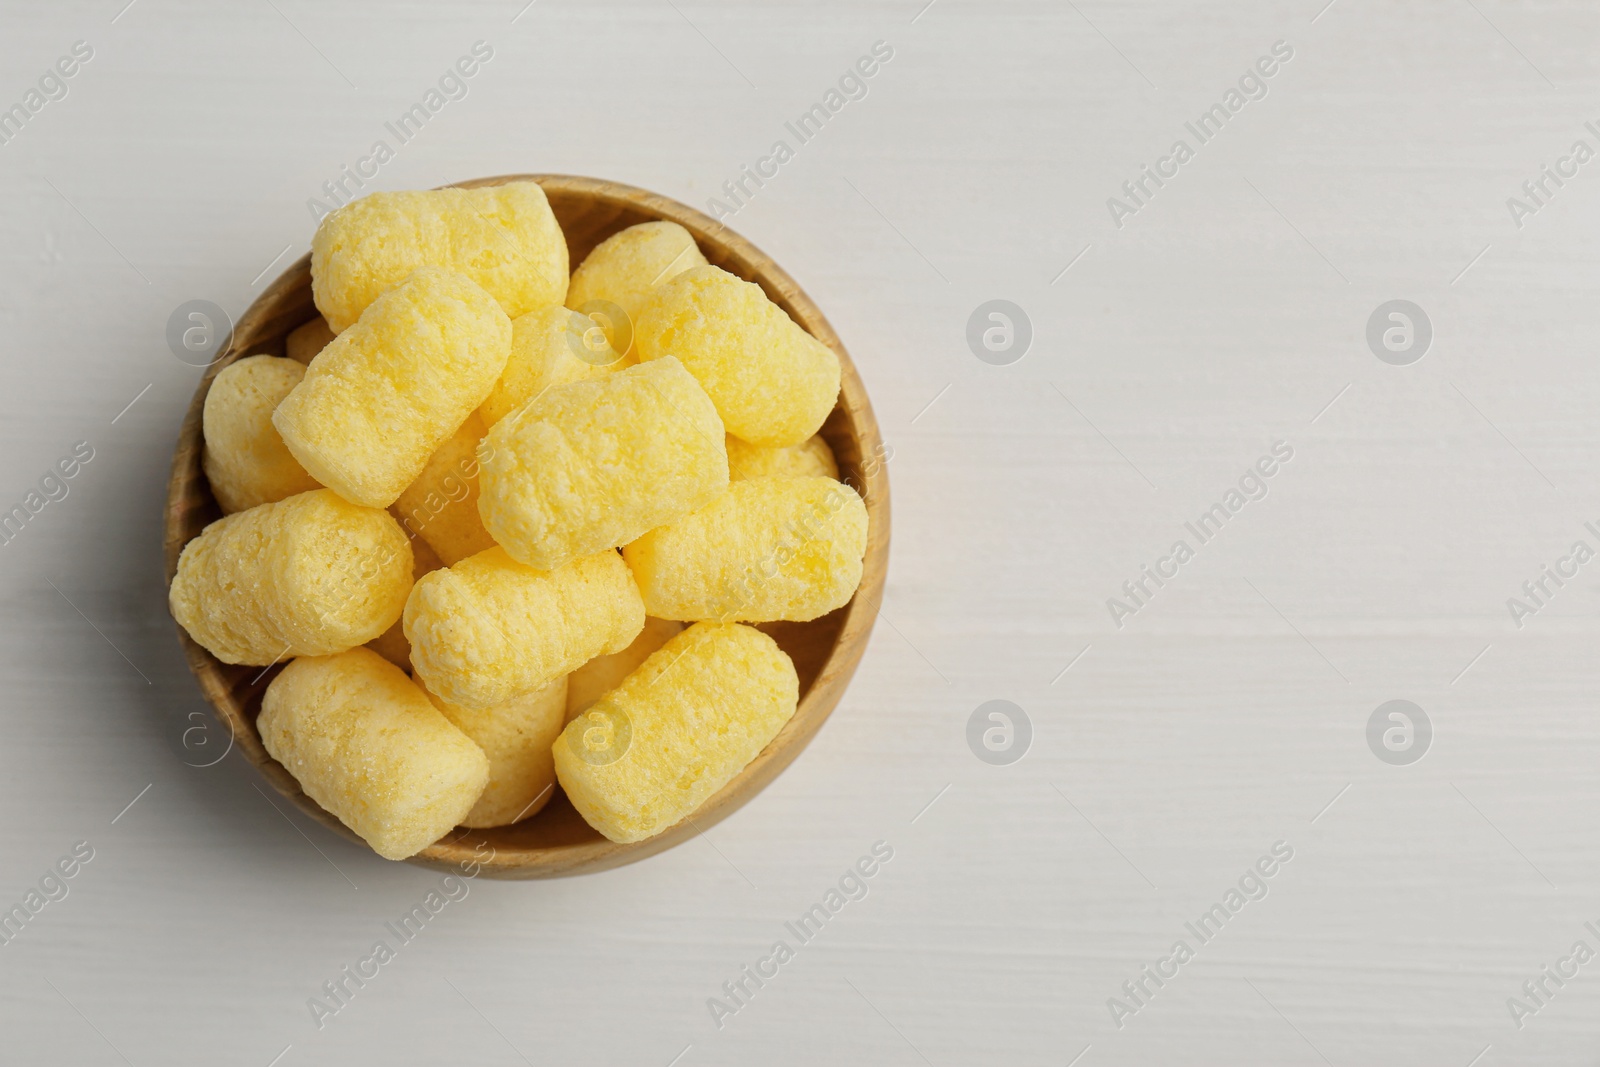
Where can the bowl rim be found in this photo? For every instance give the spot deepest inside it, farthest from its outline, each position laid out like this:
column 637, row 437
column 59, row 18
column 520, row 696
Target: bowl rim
column 461, row 849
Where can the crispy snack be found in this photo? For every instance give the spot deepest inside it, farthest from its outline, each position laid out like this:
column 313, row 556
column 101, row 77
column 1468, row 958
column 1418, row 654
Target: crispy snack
column 244, row 458
column 811, row 459
column 773, row 383
column 307, row 339
column 307, row 576
column 441, row 506
column 625, row 268
column 592, row 465
column 767, row 549
column 594, row 679
column 365, row 743
column 516, row 736
column 676, row 730
column 378, row 401
column 545, row 347
column 490, row 629
column 505, row 238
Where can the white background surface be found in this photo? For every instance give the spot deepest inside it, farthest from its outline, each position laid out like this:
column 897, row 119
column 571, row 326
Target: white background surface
column 1223, row 717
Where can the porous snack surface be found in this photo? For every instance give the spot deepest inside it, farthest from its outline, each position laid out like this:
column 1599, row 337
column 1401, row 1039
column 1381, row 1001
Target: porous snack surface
column 773, row 383
column 244, row 458
column 626, row 267
column 441, row 506
column 676, row 730
column 490, row 629
column 767, row 549
column 307, row 576
column 603, row 673
column 386, row 393
column 544, row 352
column 810, row 459
column 504, row 237
column 367, row 744
column 516, row 736
column 592, row 465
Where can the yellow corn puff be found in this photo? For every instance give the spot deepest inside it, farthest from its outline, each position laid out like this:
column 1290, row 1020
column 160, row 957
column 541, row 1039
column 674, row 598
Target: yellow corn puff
column 503, row 237
column 307, row 339
column 392, row 644
column 245, row 460
column 545, row 351
column 676, row 730
column 767, row 549
column 603, row 673
column 441, row 506
column 386, row 393
column 516, row 736
column 490, row 629
column 773, row 383
column 365, row 743
column 813, row 459
column 307, row 576
column 592, row 465
column 626, row 267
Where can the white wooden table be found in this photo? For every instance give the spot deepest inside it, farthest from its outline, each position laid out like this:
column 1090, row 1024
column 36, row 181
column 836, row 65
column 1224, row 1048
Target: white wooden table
column 1168, row 754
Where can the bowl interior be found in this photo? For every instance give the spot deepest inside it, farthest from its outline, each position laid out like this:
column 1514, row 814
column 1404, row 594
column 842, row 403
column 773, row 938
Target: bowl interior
column 557, row 841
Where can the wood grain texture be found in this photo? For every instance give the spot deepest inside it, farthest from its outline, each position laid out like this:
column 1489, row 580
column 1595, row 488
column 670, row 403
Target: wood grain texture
column 556, row 841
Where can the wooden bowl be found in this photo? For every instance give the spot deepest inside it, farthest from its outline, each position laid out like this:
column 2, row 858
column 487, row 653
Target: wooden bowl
column 556, row 841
